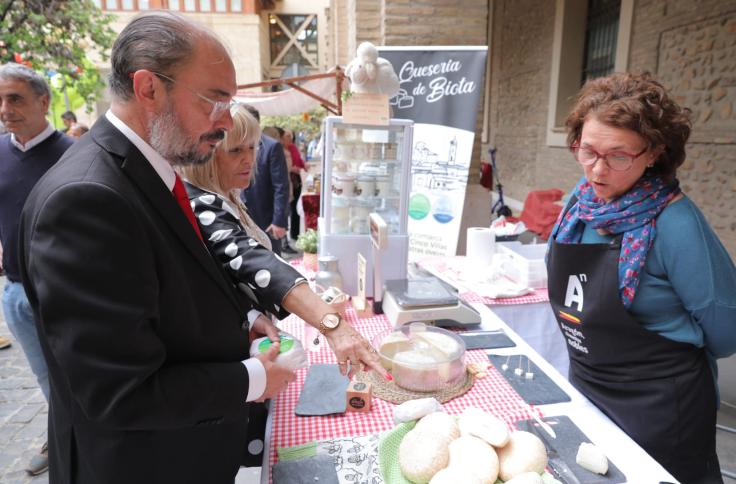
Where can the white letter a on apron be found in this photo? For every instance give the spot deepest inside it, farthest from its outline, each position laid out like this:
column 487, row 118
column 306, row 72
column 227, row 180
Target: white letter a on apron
column 574, row 293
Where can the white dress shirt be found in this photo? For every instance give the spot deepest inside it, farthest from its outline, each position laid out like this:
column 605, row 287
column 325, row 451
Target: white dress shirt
column 39, row 138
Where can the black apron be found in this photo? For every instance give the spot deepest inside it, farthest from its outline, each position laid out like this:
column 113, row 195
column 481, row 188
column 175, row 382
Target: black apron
column 659, row 391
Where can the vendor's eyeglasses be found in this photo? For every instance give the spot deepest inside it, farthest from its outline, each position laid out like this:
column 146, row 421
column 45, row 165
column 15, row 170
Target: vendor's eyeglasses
column 218, row 107
column 616, row 160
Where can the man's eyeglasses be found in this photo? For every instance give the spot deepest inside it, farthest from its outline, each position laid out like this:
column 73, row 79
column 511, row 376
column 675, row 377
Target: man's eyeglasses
column 616, row 160
column 218, row 107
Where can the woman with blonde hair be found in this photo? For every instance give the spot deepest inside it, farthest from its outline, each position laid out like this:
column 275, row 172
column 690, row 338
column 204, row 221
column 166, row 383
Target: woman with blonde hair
column 237, row 244
column 267, row 281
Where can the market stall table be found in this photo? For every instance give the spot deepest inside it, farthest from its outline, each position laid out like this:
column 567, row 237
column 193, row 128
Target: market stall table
column 493, row 394
column 530, row 315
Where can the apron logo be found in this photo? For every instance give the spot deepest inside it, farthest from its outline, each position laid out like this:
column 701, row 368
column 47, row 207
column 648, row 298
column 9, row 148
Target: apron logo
column 574, row 293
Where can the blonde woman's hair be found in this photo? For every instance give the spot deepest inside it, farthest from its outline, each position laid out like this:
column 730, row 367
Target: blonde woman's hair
column 206, row 176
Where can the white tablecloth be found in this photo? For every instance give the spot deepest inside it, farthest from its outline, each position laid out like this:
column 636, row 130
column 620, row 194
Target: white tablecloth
column 631, row 459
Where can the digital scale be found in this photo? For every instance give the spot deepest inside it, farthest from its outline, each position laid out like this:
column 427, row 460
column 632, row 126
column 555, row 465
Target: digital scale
column 426, row 299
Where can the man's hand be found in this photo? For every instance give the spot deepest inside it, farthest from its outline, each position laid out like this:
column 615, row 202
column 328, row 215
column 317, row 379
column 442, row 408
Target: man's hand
column 277, row 376
column 263, row 326
column 276, row 231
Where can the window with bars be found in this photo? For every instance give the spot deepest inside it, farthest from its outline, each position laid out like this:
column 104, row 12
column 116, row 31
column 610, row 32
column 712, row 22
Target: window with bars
column 600, row 38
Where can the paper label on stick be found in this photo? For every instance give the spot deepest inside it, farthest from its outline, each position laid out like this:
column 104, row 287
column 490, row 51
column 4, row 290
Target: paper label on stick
column 359, row 299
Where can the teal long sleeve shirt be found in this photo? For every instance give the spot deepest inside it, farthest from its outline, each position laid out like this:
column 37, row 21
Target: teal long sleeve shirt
column 687, row 290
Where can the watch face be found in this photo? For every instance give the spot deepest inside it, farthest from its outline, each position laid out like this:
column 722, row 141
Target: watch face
column 331, row 320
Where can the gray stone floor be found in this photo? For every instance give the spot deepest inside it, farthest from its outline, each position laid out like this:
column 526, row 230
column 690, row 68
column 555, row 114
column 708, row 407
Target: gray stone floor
column 23, row 415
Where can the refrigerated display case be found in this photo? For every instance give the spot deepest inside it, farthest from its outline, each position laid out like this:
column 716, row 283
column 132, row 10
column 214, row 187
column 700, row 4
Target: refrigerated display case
column 365, row 169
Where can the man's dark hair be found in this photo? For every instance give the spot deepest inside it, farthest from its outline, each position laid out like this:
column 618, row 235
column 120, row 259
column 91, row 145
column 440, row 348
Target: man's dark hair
column 158, row 41
column 19, row 72
column 253, row 111
column 69, row 115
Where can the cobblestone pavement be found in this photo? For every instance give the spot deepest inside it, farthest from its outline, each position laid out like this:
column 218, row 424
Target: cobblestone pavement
column 23, row 413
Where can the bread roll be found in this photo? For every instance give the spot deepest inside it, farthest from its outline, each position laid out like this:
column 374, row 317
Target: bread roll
column 421, row 456
column 525, row 452
column 476, row 457
column 526, row 478
column 474, row 421
column 439, row 425
column 425, row 449
column 455, row 475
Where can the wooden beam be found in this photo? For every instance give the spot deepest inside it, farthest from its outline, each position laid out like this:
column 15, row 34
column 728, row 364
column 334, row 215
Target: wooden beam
column 335, row 108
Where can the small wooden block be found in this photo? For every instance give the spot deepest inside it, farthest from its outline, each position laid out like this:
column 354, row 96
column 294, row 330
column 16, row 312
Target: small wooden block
column 359, row 396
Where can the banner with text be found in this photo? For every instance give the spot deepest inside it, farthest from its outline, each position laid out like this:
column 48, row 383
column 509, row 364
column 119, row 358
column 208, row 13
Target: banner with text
column 440, row 91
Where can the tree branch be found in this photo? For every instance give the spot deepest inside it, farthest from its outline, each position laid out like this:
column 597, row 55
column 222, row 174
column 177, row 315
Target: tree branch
column 6, row 11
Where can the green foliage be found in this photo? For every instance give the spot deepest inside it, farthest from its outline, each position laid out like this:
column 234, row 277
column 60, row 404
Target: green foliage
column 55, row 36
column 307, row 242
column 308, row 123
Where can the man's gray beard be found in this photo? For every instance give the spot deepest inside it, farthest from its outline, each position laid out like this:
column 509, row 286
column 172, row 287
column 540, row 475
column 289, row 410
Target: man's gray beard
column 169, row 140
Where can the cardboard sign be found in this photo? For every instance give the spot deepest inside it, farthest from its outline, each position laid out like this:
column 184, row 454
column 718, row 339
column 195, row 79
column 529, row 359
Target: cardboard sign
column 366, row 108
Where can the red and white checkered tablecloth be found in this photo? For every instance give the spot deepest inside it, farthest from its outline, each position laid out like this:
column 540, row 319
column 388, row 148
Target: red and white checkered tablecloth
column 491, row 393
column 450, row 268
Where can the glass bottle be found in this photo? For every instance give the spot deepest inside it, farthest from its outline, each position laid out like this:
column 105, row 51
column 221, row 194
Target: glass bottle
column 328, row 274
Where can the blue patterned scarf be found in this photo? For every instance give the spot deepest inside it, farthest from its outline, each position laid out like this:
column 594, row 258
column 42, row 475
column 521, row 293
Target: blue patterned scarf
column 634, row 214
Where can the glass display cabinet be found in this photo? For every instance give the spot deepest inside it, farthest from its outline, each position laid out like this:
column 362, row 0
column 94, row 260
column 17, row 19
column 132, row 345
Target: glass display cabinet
column 365, row 169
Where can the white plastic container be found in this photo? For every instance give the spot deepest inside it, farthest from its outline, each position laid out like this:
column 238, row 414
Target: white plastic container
column 524, row 264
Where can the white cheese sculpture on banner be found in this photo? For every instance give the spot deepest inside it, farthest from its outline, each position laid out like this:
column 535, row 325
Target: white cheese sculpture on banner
column 370, row 73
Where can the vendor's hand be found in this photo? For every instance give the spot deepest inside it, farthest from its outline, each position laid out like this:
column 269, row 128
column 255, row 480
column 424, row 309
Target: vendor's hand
column 353, row 351
column 263, row 326
column 277, row 377
column 276, row 231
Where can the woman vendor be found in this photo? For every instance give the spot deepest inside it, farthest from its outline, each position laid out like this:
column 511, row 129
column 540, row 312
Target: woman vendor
column 643, row 290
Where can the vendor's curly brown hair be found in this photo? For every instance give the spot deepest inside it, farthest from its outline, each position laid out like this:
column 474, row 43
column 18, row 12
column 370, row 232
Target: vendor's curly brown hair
column 638, row 103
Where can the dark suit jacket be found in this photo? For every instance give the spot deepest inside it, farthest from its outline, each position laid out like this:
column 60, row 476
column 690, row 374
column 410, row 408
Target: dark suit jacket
column 140, row 328
column 267, row 197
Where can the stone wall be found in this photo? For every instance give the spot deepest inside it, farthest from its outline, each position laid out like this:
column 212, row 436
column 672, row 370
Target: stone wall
column 689, row 45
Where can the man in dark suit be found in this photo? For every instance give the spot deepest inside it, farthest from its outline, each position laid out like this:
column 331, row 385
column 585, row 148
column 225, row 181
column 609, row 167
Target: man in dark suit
column 142, row 332
column 267, row 197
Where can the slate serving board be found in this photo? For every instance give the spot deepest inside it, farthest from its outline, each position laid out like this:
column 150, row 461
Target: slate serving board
column 540, row 390
column 323, row 392
column 569, row 438
column 476, row 340
column 310, row 470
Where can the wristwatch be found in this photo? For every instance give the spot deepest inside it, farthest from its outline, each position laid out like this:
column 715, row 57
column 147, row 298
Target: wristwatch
column 329, row 322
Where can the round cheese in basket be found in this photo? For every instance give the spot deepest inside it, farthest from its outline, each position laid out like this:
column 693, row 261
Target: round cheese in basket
column 422, row 358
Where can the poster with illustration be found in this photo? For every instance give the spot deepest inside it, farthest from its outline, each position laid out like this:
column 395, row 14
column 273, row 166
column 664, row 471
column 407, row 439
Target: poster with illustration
column 440, row 90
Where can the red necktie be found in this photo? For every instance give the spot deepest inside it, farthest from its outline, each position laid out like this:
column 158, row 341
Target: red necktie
column 180, row 193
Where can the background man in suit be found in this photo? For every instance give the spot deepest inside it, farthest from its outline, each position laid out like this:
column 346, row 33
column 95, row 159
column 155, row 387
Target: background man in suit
column 30, row 148
column 148, row 358
column 267, row 197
